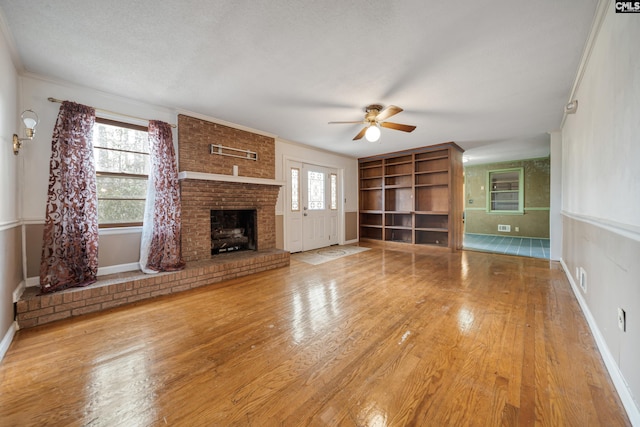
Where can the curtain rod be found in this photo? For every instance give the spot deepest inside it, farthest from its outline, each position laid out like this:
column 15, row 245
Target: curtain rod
column 59, row 101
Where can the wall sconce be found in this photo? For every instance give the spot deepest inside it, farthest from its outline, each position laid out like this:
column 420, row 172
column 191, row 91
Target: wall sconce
column 30, row 120
column 571, row 107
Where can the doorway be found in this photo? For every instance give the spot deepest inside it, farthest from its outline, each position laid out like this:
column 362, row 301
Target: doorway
column 507, row 207
column 312, row 206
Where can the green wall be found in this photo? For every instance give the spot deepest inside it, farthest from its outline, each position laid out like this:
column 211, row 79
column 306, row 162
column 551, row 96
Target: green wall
column 535, row 220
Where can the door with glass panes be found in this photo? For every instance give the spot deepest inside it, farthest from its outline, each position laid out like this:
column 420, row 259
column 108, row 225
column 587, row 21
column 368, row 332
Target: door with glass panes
column 313, row 203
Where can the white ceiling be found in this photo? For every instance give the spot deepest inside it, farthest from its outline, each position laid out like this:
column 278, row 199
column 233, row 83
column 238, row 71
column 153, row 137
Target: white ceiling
column 491, row 75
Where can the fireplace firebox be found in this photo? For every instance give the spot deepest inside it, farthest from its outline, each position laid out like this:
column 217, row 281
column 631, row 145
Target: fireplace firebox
column 233, row 230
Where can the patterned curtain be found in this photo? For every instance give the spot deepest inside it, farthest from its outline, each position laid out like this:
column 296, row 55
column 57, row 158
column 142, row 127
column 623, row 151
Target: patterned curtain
column 161, row 246
column 70, row 238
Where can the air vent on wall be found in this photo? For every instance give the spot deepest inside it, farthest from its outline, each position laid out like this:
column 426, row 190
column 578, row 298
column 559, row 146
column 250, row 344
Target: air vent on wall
column 505, row 228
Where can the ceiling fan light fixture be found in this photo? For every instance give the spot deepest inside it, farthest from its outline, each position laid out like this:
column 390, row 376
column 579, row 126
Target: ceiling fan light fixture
column 373, row 133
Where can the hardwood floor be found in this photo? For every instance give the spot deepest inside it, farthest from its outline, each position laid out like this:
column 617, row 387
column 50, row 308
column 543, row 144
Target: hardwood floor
column 383, row 337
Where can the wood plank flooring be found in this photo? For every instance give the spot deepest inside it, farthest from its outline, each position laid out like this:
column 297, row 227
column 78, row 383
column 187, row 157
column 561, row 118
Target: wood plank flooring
column 386, row 337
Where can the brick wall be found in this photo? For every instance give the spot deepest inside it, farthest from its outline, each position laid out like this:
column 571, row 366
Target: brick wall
column 200, row 197
column 195, row 136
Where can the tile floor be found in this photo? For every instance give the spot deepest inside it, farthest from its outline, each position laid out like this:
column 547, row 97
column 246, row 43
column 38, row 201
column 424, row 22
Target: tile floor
column 522, row 246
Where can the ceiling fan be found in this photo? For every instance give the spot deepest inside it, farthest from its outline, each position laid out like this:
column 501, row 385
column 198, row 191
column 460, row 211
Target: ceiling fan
column 374, row 118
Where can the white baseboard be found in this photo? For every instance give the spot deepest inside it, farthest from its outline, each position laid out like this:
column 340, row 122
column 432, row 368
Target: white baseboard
column 17, row 292
column 633, row 412
column 6, row 340
column 102, row 271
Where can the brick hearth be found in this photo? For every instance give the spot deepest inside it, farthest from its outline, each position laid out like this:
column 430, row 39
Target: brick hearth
column 119, row 289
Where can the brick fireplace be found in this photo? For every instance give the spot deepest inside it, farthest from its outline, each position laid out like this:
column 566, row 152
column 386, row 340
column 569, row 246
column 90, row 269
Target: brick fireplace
column 199, row 197
column 208, row 182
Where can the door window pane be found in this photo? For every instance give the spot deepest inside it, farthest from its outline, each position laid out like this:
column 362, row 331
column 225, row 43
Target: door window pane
column 315, row 182
column 334, row 191
column 295, row 189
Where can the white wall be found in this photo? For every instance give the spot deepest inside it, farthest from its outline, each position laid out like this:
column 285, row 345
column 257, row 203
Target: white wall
column 37, row 153
column 601, row 195
column 10, row 231
column 9, row 164
column 555, row 197
column 286, row 150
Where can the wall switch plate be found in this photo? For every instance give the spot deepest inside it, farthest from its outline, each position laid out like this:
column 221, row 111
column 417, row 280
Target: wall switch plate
column 622, row 320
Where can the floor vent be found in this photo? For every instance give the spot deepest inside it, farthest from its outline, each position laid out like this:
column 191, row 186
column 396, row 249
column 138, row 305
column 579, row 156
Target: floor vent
column 506, row 228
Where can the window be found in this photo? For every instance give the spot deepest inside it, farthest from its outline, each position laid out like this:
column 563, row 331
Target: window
column 121, row 153
column 505, row 191
column 315, row 193
column 334, row 191
column 295, row 189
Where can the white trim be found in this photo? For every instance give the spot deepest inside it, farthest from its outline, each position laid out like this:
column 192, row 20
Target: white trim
column 119, row 230
column 134, row 104
column 6, row 340
column 102, row 271
column 123, row 118
column 101, row 231
column 8, row 225
column 624, row 230
column 17, row 292
column 598, row 19
column 633, row 412
column 33, row 221
column 23, row 232
column 223, row 122
column 314, row 148
column 350, row 242
column 228, row 178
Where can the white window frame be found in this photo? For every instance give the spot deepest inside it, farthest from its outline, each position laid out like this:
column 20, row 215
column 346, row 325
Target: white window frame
column 495, row 191
column 116, row 123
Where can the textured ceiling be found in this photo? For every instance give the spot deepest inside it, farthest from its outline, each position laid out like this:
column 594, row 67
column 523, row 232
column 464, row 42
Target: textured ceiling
column 492, row 76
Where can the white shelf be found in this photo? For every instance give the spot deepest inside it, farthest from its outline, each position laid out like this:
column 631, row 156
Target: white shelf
column 228, row 178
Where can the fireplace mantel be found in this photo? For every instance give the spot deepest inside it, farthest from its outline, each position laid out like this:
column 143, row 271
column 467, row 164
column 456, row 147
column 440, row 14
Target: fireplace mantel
column 228, row 178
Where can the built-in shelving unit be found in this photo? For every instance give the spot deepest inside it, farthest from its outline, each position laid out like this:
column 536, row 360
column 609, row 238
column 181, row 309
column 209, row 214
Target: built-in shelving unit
column 413, row 196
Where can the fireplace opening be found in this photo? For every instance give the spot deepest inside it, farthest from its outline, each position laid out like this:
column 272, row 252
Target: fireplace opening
column 233, row 230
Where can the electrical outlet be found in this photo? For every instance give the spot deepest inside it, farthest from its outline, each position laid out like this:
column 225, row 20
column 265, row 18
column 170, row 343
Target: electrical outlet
column 517, row 229
column 622, row 320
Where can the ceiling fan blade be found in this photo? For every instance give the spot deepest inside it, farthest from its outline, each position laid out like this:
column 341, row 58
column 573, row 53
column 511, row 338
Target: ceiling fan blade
column 391, row 110
column 361, row 134
column 346, row 123
column 398, row 126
